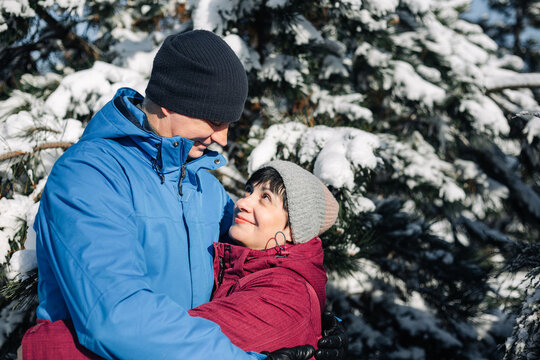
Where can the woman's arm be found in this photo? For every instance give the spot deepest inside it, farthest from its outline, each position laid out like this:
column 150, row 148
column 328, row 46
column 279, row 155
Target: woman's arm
column 274, row 309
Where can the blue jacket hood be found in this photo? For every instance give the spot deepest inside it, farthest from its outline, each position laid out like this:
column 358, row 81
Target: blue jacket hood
column 109, row 123
column 106, row 127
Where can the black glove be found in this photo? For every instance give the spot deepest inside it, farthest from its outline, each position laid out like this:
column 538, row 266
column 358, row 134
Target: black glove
column 333, row 344
column 303, row 352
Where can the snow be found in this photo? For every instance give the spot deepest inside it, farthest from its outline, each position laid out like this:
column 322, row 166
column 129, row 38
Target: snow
column 514, row 80
column 248, row 57
column 342, row 157
column 359, row 204
column 430, row 74
column 364, row 16
column 466, row 27
column 333, row 66
column 40, row 81
column 486, row 116
column 337, row 152
column 467, row 51
column 417, row 6
column 532, row 129
column 509, row 286
column 209, row 14
column 13, row 215
column 523, row 98
column 415, row 316
column 21, row 262
column 381, row 7
column 17, row 128
column 446, row 9
column 12, row 132
column 30, row 242
column 416, row 164
column 347, row 105
column 495, row 194
column 527, row 321
column 86, row 91
column 463, row 55
column 276, row 4
column 360, row 281
column 305, row 32
column 17, row 7
column 14, row 103
column 135, row 51
column 355, row 5
column 374, row 57
column 281, row 67
column 407, row 84
column 443, row 229
column 283, row 134
column 332, row 165
column 451, row 192
column 508, row 61
column 484, row 41
column 9, row 319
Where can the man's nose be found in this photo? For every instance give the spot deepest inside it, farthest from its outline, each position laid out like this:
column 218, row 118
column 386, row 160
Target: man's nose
column 220, row 136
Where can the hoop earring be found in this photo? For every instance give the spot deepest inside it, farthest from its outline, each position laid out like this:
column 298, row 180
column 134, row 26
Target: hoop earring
column 282, row 251
column 266, row 246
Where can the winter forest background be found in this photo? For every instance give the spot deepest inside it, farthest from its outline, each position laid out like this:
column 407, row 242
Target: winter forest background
column 425, row 126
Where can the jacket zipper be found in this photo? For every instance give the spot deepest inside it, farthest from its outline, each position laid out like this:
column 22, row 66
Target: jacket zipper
column 221, row 270
column 222, row 263
column 182, row 176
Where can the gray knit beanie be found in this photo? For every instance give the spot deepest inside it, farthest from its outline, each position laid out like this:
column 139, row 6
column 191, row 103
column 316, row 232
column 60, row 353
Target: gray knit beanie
column 312, row 208
column 198, row 75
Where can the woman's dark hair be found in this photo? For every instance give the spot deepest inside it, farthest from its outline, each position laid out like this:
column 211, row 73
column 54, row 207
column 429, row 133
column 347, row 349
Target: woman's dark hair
column 270, row 176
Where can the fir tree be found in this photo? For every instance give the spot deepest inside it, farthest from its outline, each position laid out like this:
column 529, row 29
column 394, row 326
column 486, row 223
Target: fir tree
column 509, row 32
column 396, row 105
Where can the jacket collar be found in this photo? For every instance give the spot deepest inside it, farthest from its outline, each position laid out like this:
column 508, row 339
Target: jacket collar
column 305, row 259
column 121, row 118
column 245, row 260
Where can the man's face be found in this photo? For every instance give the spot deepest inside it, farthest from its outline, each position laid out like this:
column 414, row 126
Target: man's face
column 258, row 216
column 201, row 132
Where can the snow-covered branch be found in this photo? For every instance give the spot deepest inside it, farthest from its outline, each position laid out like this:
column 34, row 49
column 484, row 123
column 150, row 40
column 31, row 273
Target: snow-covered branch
column 516, row 81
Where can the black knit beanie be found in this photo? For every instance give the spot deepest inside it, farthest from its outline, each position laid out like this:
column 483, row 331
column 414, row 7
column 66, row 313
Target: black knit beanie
column 198, row 75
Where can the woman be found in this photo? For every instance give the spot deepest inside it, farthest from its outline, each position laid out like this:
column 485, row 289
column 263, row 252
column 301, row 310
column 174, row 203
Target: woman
column 270, row 283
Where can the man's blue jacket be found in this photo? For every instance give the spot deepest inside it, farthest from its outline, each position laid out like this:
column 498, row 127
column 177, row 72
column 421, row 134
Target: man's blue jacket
column 124, row 240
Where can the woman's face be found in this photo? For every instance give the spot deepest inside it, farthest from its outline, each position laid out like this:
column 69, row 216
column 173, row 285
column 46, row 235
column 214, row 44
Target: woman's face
column 258, row 216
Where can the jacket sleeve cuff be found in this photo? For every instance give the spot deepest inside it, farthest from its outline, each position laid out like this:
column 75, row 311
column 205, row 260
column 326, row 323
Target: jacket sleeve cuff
column 257, row 355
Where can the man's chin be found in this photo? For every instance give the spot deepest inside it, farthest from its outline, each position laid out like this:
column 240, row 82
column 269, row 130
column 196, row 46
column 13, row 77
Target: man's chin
column 194, row 154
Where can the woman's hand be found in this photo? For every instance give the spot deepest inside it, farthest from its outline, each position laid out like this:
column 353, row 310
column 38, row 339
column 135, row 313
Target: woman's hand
column 333, row 344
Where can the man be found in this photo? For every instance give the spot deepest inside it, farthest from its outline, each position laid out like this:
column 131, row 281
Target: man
column 129, row 215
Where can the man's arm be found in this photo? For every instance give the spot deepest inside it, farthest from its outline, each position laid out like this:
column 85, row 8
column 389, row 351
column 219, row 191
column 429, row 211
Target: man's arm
column 88, row 236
